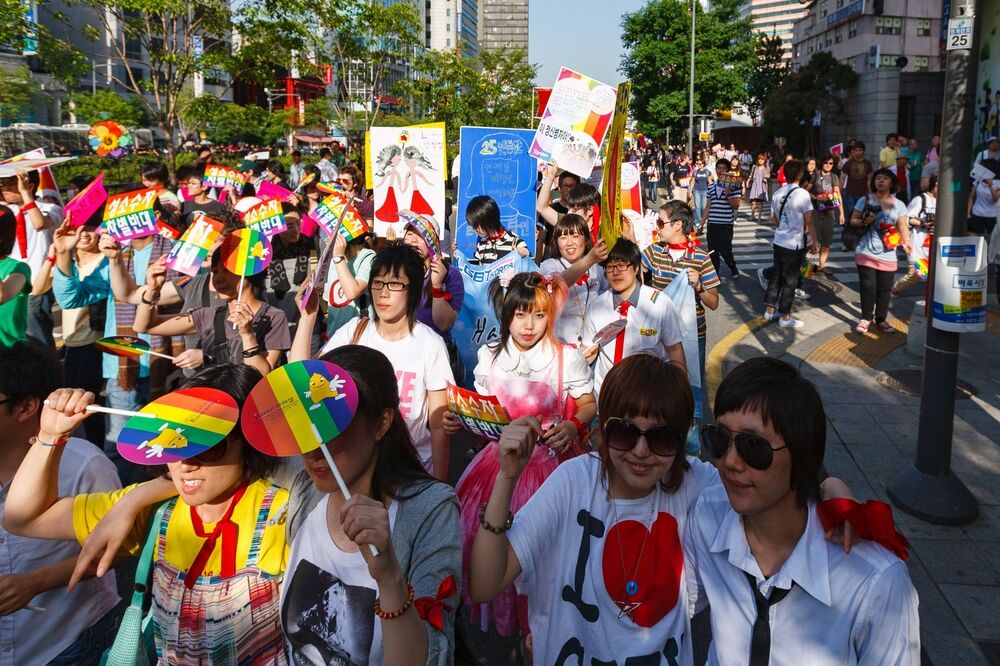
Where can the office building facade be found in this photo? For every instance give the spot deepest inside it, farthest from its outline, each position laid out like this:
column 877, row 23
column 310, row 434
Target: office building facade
column 503, row 24
column 775, row 18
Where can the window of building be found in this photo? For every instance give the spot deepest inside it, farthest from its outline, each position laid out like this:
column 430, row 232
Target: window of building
column 923, row 27
column 920, row 63
column 888, row 25
column 838, row 37
column 840, row 3
column 447, row 11
column 822, row 9
column 448, row 42
column 852, row 29
column 888, row 60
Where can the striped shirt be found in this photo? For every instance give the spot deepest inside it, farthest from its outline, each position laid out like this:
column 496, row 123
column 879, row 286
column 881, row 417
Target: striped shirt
column 719, row 210
column 664, row 268
column 490, row 250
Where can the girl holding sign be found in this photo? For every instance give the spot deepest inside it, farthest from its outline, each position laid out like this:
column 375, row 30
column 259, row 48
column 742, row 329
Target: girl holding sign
column 533, row 374
column 216, row 591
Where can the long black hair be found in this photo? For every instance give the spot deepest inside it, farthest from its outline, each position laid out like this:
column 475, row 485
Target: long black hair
column 397, row 465
column 397, row 259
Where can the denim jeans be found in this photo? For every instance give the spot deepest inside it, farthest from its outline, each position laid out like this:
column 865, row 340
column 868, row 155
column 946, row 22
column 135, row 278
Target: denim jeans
column 91, row 644
column 119, row 398
column 699, row 199
column 693, row 445
column 40, row 318
column 651, row 191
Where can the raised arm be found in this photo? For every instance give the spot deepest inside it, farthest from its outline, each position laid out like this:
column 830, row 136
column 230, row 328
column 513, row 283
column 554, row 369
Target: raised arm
column 542, row 203
column 597, row 254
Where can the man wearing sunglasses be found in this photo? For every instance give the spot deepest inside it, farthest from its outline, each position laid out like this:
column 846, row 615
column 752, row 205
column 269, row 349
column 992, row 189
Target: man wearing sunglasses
column 651, row 323
column 780, row 593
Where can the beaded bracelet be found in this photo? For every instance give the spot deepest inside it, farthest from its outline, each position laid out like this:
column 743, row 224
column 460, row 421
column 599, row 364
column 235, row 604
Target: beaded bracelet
column 391, row 615
column 490, row 528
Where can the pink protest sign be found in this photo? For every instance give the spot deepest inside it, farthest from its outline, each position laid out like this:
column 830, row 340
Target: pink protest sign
column 268, row 190
column 86, row 203
column 130, row 215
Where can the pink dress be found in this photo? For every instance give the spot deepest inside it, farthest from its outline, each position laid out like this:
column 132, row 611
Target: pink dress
column 520, row 396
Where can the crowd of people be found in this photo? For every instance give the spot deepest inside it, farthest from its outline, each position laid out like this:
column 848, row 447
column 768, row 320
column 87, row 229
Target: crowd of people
column 590, row 527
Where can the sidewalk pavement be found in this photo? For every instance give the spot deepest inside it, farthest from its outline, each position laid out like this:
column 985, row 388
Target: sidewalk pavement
column 872, row 435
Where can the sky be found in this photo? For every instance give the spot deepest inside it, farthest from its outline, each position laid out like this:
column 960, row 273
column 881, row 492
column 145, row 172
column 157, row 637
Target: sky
column 584, row 35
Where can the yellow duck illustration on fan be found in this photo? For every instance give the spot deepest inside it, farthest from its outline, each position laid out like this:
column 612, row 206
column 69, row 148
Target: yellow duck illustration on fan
column 321, row 388
column 167, row 438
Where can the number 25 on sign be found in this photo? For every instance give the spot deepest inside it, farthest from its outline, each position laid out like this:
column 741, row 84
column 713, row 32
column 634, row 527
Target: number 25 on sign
column 960, row 33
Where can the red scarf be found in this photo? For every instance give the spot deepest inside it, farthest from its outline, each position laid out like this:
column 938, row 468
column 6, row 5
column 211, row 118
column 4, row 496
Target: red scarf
column 22, row 233
column 492, row 238
column 871, row 520
column 227, row 531
column 623, row 309
column 584, row 279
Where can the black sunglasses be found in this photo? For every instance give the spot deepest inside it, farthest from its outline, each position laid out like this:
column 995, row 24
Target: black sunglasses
column 212, row 454
column 755, row 451
column 622, row 435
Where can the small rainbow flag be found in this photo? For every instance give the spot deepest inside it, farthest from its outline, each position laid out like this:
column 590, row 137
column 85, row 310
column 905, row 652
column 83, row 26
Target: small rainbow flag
column 188, row 422
column 922, row 267
column 127, row 346
column 246, row 252
column 298, row 407
column 329, row 188
column 425, row 228
column 266, row 217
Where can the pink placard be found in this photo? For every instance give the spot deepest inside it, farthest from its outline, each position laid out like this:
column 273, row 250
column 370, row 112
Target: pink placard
column 268, row 190
column 86, row 203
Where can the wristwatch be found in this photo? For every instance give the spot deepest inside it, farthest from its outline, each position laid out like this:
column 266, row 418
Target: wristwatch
column 339, row 260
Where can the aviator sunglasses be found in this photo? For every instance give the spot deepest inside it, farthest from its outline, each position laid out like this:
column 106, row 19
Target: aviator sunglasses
column 755, row 451
column 622, row 435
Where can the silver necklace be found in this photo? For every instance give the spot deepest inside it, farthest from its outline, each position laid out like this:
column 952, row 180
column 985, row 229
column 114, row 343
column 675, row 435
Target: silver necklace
column 629, row 605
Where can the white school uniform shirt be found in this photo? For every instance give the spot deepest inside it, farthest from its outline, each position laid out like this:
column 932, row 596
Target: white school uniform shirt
column 38, row 240
column 791, row 231
column 653, row 325
column 857, row 608
column 572, row 317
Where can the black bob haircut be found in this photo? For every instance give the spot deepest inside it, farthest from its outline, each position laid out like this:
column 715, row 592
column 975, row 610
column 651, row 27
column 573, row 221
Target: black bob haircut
column 888, row 174
column 626, row 251
column 787, row 402
column 483, row 213
column 29, row 369
column 583, row 195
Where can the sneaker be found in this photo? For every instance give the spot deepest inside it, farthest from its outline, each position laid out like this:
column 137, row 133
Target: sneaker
column 827, row 270
column 791, row 322
column 885, row 327
column 774, row 316
column 862, row 326
column 762, row 279
column 735, row 271
column 802, row 295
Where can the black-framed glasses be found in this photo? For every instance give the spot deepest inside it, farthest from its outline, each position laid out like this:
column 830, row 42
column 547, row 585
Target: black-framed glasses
column 212, row 454
column 622, row 435
column 391, row 285
column 614, row 269
column 755, row 451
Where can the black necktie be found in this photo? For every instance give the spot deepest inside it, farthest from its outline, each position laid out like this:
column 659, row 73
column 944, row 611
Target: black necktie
column 760, row 639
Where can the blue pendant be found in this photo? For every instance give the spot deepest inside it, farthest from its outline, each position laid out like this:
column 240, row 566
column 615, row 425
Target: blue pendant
column 631, row 588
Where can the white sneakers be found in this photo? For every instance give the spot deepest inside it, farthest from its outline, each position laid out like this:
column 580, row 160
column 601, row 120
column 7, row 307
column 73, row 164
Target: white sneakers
column 802, row 295
column 791, row 322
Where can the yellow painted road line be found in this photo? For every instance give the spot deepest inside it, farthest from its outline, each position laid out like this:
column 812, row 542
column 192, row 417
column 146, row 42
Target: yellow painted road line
column 717, row 354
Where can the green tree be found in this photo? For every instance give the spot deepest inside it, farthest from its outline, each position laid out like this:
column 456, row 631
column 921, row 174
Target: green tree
column 225, row 122
column 17, row 92
column 769, row 70
column 494, row 90
column 657, row 41
column 815, row 87
column 107, row 105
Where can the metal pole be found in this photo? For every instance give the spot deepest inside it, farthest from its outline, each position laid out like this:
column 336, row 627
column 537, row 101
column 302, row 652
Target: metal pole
column 93, row 76
column 694, row 4
column 929, row 489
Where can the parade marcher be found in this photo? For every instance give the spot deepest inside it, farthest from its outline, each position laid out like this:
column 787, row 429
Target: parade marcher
column 532, row 374
column 701, row 178
column 327, row 169
column 196, row 199
column 921, row 213
column 289, row 267
column 982, row 212
column 15, row 285
column 792, row 217
column 495, row 242
column 296, row 171
column 828, row 208
column 890, row 151
column 347, row 274
column 881, row 214
column 652, row 181
column 575, row 243
column 352, row 180
column 680, row 178
column 856, row 177
column 720, row 217
column 778, row 589
column 760, row 174
column 155, row 175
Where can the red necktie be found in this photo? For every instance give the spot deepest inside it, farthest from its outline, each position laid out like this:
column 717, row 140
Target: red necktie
column 623, row 309
column 584, row 279
column 227, row 531
column 22, row 234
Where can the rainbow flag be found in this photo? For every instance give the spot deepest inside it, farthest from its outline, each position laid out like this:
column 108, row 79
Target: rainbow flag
column 130, row 215
column 481, row 415
column 246, row 252
column 123, row 345
column 298, row 407
column 731, row 182
column 922, row 267
column 425, row 229
column 188, row 254
column 188, row 422
column 266, row 217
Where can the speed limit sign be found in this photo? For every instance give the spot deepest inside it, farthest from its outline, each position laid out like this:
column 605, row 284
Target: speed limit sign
column 959, row 33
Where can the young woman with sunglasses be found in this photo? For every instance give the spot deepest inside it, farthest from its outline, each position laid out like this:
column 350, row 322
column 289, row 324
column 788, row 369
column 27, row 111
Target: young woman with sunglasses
column 532, row 374
column 762, row 561
column 215, row 591
column 417, row 353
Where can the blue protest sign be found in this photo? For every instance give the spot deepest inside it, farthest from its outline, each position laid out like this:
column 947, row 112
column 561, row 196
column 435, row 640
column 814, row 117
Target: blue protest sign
column 495, row 162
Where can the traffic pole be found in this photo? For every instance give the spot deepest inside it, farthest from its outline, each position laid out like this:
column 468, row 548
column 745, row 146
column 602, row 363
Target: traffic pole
column 929, row 489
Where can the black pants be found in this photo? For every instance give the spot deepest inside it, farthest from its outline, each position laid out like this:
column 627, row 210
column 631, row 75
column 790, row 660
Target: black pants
column 785, row 279
column 876, row 290
column 720, row 245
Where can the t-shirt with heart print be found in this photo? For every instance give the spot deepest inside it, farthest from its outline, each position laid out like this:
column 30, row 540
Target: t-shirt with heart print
column 579, row 564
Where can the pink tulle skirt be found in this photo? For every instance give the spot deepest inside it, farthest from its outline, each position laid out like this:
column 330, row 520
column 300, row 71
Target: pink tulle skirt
column 509, row 610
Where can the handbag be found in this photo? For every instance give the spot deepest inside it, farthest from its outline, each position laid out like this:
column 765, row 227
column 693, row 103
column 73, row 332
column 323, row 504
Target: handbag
column 134, row 645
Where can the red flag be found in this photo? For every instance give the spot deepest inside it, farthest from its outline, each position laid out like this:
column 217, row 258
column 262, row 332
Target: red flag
column 542, row 100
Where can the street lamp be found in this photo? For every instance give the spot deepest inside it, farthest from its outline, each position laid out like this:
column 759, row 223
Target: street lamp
column 691, row 91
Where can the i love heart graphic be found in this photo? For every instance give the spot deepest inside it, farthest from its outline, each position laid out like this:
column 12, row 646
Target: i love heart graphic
column 659, row 569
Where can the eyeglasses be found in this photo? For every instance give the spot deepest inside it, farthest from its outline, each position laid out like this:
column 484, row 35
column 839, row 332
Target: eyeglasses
column 213, row 454
column 755, row 451
column 613, row 269
column 825, row 163
column 622, row 435
column 391, row 285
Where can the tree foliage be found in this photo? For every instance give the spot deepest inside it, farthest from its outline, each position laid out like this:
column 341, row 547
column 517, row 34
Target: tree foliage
column 815, row 87
column 225, row 122
column 657, row 40
column 769, row 70
column 107, row 105
column 17, row 92
column 494, row 90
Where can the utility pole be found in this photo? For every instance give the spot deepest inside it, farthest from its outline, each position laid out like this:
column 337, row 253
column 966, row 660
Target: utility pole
column 929, row 489
column 694, row 4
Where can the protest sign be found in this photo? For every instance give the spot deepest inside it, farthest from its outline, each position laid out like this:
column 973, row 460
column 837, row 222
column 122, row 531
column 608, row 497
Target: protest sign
column 130, row 215
column 481, row 415
column 268, row 190
column 87, row 202
column 47, row 187
column 408, row 173
column 576, row 119
column 630, row 187
column 337, row 209
column 188, row 254
column 495, row 162
column 218, row 176
column 266, row 217
column 732, row 183
column 611, row 198
column 8, row 169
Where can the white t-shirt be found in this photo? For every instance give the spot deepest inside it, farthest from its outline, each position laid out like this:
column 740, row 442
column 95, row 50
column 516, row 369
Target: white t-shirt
column 918, row 211
column 421, row 364
column 538, row 364
column 327, row 599
column 569, row 325
column 983, row 206
column 38, row 241
column 571, row 550
column 790, row 233
column 653, row 325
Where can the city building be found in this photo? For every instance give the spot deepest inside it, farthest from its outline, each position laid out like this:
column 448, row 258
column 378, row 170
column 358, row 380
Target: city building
column 775, row 18
column 451, row 25
column 503, row 24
